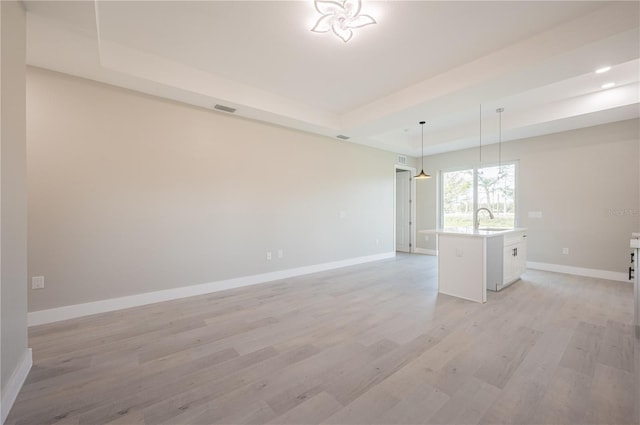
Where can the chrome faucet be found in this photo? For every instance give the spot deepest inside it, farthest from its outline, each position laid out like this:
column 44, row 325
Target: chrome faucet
column 478, row 218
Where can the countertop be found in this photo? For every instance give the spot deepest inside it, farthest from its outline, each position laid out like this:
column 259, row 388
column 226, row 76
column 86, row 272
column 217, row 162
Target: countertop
column 479, row 233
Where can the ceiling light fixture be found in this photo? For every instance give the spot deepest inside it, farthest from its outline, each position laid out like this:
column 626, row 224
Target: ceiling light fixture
column 422, row 174
column 608, row 85
column 603, row 70
column 341, row 17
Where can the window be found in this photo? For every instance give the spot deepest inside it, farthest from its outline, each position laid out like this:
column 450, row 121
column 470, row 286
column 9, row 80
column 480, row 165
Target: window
column 464, row 191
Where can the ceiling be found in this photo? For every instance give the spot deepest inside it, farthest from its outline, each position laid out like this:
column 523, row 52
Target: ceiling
column 422, row 60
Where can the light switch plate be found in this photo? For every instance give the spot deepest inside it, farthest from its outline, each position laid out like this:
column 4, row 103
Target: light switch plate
column 535, row 214
column 37, row 282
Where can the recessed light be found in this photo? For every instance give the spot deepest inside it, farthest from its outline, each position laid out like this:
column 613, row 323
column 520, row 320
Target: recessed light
column 343, row 137
column 603, row 70
column 608, row 85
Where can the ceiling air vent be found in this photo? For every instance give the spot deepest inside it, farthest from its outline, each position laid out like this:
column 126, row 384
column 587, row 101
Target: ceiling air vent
column 224, row 108
column 402, row 160
column 343, row 137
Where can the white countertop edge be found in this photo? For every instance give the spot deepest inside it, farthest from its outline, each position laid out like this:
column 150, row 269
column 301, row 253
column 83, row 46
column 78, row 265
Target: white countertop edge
column 463, row 231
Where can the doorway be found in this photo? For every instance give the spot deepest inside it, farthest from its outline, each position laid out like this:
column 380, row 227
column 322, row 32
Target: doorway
column 404, row 209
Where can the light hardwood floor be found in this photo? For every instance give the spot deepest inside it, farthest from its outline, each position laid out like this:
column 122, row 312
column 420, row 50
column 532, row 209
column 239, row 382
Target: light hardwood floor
column 366, row 344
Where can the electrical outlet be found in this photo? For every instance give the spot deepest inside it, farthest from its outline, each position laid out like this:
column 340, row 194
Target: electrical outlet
column 269, row 255
column 565, row 251
column 280, row 253
column 37, row 282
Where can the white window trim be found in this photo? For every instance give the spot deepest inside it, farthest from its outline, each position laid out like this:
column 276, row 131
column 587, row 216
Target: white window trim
column 516, row 195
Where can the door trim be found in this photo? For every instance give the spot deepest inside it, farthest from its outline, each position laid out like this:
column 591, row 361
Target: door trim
column 412, row 210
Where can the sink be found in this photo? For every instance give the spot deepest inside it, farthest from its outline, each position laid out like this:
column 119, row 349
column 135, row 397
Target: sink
column 494, row 229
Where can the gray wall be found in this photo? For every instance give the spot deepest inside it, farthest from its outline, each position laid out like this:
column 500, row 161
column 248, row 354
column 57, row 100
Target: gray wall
column 13, row 200
column 129, row 194
column 585, row 182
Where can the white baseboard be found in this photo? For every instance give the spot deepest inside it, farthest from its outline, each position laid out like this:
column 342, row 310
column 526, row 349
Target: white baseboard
column 78, row 310
column 10, row 393
column 426, row 251
column 579, row 271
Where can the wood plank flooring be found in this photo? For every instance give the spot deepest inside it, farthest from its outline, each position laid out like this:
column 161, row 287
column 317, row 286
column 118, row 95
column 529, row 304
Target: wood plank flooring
column 373, row 343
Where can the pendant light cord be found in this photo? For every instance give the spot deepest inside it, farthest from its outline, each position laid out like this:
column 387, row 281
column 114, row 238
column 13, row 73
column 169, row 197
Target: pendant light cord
column 500, row 111
column 481, row 133
column 422, row 144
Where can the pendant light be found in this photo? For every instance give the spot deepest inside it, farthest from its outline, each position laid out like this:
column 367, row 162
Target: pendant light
column 422, row 174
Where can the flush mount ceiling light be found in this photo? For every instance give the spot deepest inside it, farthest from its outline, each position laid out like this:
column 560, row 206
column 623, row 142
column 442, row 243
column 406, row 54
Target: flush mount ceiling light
column 422, row 174
column 603, row 70
column 608, row 85
column 341, row 17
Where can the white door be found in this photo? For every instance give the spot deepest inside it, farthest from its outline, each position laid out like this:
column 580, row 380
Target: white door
column 403, row 211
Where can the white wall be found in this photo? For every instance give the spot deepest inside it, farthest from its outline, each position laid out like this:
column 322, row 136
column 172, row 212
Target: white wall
column 585, row 182
column 130, row 194
column 15, row 358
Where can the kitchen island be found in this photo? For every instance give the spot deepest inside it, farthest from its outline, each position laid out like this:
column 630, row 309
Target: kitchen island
column 472, row 261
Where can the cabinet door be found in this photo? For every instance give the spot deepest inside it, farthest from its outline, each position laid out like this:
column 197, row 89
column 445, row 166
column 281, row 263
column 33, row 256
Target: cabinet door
column 508, row 264
column 521, row 258
column 514, row 257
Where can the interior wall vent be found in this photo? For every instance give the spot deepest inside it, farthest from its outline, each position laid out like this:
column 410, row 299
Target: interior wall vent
column 343, row 137
column 402, row 160
column 224, row 108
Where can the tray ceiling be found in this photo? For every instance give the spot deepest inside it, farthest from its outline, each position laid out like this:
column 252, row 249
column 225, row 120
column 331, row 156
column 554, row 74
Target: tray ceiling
column 422, row 60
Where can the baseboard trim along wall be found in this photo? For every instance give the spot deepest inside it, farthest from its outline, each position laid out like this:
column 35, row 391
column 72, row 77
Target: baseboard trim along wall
column 78, row 310
column 14, row 385
column 426, row 251
column 579, row 271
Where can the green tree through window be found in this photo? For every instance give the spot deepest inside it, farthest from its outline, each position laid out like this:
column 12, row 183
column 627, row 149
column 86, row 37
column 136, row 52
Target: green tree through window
column 464, row 191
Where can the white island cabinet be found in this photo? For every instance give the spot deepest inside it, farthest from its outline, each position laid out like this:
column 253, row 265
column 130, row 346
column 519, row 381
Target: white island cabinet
column 514, row 258
column 471, row 261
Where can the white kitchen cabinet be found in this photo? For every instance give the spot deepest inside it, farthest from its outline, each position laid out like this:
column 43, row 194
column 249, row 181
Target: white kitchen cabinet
column 462, row 267
column 514, row 261
column 472, row 261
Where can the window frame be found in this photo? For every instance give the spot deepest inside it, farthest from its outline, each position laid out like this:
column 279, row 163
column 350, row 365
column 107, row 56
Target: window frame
column 475, row 168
